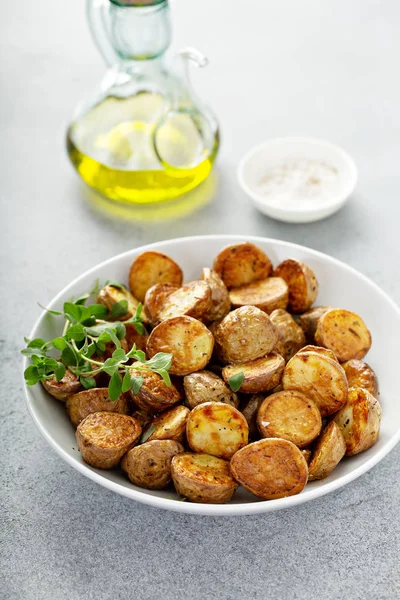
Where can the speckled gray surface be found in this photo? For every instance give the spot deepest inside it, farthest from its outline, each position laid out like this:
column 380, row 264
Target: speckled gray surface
column 283, row 68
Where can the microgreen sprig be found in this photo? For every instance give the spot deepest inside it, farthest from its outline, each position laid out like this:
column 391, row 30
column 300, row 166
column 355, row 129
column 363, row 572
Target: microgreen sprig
column 235, row 381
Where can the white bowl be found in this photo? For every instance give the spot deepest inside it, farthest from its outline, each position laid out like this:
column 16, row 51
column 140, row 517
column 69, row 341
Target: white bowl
column 276, row 152
column 340, row 285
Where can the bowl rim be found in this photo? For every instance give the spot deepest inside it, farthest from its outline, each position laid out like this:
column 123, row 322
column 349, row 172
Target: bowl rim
column 245, row 508
column 336, row 200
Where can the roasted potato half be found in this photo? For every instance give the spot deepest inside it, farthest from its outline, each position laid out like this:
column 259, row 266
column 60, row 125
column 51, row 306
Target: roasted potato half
column 359, row 420
column 361, row 375
column 270, row 468
column 267, row 294
column 245, row 334
column 149, row 465
column 192, row 299
column 104, row 437
column 303, row 285
column 81, row 404
column 260, row 375
column 318, row 377
column 168, row 425
column 188, row 340
column 150, row 268
column 308, row 321
column 241, row 264
column 249, row 409
column 155, row 394
column 132, row 336
column 60, row 390
column 217, row 429
column 110, row 295
column 289, row 415
column 319, row 350
column 205, row 386
column 343, row 332
column 328, row 452
column 291, row 335
column 220, row 303
column 155, row 298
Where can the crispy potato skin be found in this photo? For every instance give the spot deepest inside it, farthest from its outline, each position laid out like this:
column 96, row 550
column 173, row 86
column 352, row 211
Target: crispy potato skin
column 203, row 478
column 308, row 321
column 270, row 468
column 245, row 334
column 155, row 298
column 260, row 375
column 104, row 437
column 170, row 424
column 81, row 404
column 328, row 452
column 289, row 415
column 318, row 377
column 150, row 268
column 361, row 375
column 155, row 394
column 267, row 295
column 220, row 303
column 303, row 285
column 216, row 429
column 241, row 264
column 60, row 390
column 359, row 420
column 249, row 409
column 291, row 336
column 205, row 386
column 319, row 350
column 110, row 295
column 149, row 465
column 192, row 299
column 188, row 340
column 345, row 333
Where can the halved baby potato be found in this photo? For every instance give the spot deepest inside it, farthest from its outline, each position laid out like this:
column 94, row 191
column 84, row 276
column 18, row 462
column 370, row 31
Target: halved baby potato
column 359, row 420
column 169, row 425
column 60, row 390
column 132, row 336
column 152, row 267
column 260, row 375
column 217, row 429
column 328, row 452
column 267, row 294
column 270, row 468
column 303, row 285
column 155, row 298
column 205, row 386
column 318, row 377
column 245, row 334
column 289, row 415
column 291, row 335
column 345, row 333
column 203, row 478
column 188, row 340
column 110, row 295
column 319, row 350
column 104, row 437
column 361, row 375
column 154, row 394
column 308, row 321
column 149, row 465
column 249, row 410
column 220, row 303
column 241, row 264
column 192, row 299
column 81, row 404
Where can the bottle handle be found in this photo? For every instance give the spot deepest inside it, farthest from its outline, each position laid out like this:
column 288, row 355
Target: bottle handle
column 98, row 15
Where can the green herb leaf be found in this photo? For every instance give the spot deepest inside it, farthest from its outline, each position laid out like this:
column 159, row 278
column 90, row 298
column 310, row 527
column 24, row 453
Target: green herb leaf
column 31, row 375
column 59, row 371
column 76, row 332
column 114, row 338
column 126, row 382
column 98, row 310
column 68, row 357
column 39, row 352
column 139, row 328
column 120, row 330
column 115, row 386
column 149, row 432
column 140, row 355
column 88, row 382
column 115, row 284
column 165, row 375
column 36, row 343
column 119, row 309
column 110, row 366
column 50, row 311
column 161, row 360
column 235, row 381
column 136, row 383
column 59, row 343
column 72, row 312
column 132, row 351
column 119, row 355
column 82, row 299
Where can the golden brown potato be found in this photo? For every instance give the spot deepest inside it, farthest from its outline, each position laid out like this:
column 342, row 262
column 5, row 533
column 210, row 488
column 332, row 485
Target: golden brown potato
column 149, row 465
column 60, row 390
column 152, row 267
column 205, row 386
column 303, row 285
column 168, row 425
column 155, row 394
column 192, row 299
column 203, row 478
column 343, row 332
column 188, row 340
column 249, row 409
column 359, row 420
column 260, row 375
column 267, row 294
column 290, row 415
column 270, row 468
column 318, row 377
column 217, row 429
column 245, row 334
column 110, row 348
column 307, row 455
column 328, row 452
column 104, row 437
column 359, row 374
column 291, row 335
column 220, row 303
column 308, row 321
column 110, row 295
column 318, row 350
column 81, row 404
column 155, row 298
column 241, row 264
column 133, row 337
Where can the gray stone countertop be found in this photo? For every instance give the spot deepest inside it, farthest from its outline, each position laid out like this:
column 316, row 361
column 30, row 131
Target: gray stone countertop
column 325, row 69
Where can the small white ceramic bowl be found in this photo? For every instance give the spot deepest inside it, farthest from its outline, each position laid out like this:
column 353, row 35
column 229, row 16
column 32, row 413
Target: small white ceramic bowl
column 276, row 152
